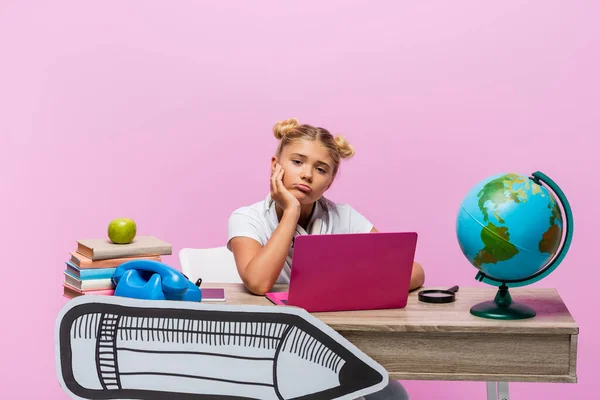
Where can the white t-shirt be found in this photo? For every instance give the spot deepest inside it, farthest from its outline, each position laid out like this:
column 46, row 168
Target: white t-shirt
column 259, row 220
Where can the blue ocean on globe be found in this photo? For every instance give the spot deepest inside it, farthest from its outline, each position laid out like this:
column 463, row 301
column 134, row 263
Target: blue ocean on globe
column 509, row 227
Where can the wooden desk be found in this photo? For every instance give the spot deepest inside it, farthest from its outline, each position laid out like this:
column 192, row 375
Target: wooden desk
column 445, row 342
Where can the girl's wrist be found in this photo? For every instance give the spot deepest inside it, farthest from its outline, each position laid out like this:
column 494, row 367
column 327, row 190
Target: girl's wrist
column 292, row 212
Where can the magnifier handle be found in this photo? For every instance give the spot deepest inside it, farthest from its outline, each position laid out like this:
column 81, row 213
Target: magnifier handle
column 453, row 289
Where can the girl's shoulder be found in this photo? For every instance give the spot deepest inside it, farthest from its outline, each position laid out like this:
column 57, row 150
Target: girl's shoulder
column 255, row 210
column 343, row 218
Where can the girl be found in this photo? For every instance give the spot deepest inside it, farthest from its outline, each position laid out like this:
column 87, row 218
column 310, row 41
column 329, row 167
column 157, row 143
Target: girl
column 261, row 236
column 303, row 168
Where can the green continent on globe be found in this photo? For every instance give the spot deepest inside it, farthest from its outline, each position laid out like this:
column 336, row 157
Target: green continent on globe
column 497, row 246
column 501, row 190
column 551, row 238
column 495, row 191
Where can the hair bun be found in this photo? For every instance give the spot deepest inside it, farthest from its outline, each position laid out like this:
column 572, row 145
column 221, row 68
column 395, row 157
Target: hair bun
column 346, row 149
column 282, row 127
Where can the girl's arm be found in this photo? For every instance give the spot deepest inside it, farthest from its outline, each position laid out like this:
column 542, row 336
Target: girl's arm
column 260, row 266
column 417, row 278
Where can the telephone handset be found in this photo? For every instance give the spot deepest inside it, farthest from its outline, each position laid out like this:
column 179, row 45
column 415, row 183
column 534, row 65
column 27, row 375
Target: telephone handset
column 153, row 280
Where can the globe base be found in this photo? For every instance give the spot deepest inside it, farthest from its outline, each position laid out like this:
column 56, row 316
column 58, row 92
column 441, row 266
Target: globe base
column 489, row 309
column 502, row 307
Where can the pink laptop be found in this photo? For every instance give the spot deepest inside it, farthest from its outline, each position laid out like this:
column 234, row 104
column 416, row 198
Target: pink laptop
column 353, row 271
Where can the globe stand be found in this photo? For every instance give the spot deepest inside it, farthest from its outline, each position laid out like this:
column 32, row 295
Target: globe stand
column 502, row 307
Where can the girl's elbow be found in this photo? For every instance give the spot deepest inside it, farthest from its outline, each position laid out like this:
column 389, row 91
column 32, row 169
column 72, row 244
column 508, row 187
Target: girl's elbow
column 257, row 283
column 259, row 288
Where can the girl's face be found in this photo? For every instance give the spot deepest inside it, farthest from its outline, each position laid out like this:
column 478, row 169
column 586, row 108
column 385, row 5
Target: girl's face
column 308, row 169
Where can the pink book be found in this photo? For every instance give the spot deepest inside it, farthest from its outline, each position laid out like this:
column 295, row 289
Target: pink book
column 278, row 298
column 70, row 292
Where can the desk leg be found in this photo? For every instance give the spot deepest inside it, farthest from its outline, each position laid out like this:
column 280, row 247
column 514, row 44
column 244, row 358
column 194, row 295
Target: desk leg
column 497, row 390
column 502, row 390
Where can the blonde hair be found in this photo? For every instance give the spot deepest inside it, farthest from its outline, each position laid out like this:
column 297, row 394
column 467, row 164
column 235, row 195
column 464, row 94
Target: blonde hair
column 289, row 130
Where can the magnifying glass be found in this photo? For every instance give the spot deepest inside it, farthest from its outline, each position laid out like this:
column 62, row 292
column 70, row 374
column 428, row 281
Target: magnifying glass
column 438, row 296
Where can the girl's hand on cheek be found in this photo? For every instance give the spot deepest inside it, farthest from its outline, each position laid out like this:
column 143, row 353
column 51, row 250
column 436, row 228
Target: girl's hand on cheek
column 279, row 192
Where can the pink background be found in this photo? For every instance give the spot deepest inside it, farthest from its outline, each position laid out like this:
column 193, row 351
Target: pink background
column 162, row 111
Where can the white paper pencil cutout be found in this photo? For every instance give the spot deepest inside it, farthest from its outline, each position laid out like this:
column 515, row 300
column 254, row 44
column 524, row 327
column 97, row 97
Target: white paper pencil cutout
column 124, row 348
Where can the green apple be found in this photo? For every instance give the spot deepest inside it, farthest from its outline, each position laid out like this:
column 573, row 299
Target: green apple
column 122, row 230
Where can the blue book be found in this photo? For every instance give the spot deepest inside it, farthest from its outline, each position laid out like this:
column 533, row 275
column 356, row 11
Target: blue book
column 91, row 273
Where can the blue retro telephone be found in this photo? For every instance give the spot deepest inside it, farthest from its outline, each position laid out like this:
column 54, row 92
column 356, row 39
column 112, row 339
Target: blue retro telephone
column 153, row 280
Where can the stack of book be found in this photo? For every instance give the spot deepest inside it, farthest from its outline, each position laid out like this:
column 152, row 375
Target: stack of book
column 91, row 266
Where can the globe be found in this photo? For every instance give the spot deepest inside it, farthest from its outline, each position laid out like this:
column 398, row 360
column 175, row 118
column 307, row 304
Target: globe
column 515, row 231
